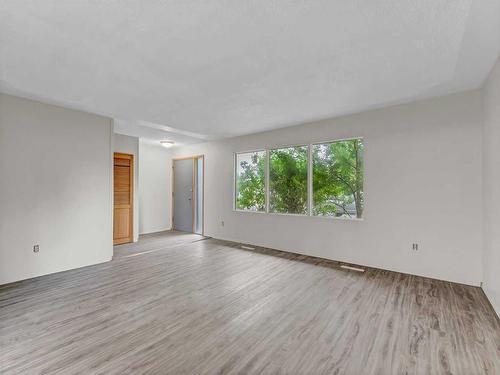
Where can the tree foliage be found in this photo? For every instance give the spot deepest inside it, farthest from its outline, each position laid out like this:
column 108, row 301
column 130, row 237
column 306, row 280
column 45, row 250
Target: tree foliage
column 288, row 180
column 250, row 181
column 338, row 178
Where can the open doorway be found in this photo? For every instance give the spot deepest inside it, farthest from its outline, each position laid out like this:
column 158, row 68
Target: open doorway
column 187, row 194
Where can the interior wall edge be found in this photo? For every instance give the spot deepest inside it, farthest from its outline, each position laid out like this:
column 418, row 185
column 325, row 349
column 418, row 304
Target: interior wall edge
column 493, row 299
column 491, row 183
column 154, row 187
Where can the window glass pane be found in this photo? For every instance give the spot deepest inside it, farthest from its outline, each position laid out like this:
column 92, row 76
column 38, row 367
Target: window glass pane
column 338, row 178
column 288, row 180
column 250, row 181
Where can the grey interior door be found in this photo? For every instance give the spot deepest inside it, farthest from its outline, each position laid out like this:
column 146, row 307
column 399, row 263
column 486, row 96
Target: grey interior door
column 183, row 195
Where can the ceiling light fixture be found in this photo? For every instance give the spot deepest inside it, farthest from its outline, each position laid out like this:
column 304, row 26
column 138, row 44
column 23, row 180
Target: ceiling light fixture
column 167, row 144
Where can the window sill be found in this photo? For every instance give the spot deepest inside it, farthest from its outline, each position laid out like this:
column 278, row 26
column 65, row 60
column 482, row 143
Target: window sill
column 249, row 211
column 301, row 215
column 339, row 218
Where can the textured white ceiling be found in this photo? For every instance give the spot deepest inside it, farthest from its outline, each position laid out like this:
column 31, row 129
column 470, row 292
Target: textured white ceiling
column 223, row 67
column 154, row 133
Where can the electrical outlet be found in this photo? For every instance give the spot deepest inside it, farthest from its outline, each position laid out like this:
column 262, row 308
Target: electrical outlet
column 36, row 248
column 414, row 247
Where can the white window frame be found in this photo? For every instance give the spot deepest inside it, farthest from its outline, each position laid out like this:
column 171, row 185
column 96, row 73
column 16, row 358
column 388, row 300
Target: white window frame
column 310, row 203
column 311, row 193
column 266, row 172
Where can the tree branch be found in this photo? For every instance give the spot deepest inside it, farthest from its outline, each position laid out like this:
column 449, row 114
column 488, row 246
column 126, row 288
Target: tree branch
column 337, row 175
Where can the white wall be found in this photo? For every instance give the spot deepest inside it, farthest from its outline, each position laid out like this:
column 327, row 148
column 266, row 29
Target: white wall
column 55, row 189
column 491, row 158
column 154, row 188
column 422, row 184
column 130, row 145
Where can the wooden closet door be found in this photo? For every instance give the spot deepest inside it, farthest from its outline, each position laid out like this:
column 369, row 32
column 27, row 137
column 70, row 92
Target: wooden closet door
column 123, row 198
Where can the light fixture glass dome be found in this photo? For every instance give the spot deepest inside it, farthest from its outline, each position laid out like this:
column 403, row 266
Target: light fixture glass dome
column 167, row 144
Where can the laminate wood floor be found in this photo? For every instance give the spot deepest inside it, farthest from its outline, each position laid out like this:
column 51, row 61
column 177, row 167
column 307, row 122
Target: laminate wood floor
column 179, row 304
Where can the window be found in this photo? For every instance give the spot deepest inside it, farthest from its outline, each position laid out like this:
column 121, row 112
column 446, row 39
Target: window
column 288, row 180
column 323, row 179
column 338, row 178
column 250, row 181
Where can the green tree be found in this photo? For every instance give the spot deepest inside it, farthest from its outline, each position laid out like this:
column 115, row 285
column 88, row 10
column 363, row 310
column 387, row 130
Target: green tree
column 338, row 178
column 288, row 180
column 250, row 182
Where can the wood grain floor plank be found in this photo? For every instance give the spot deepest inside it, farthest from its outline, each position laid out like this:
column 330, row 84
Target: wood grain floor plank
column 176, row 303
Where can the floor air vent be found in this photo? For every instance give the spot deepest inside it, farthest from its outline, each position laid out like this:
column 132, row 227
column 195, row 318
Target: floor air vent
column 346, row 267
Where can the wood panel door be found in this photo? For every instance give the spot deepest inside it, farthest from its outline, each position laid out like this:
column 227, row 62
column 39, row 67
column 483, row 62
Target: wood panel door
column 123, row 188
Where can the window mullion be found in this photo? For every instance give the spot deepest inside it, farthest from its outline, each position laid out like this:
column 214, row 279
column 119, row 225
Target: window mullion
column 235, row 179
column 309, row 180
column 267, row 181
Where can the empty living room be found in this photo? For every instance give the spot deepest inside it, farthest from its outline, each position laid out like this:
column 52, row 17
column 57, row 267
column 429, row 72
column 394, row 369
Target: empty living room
column 250, row 187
